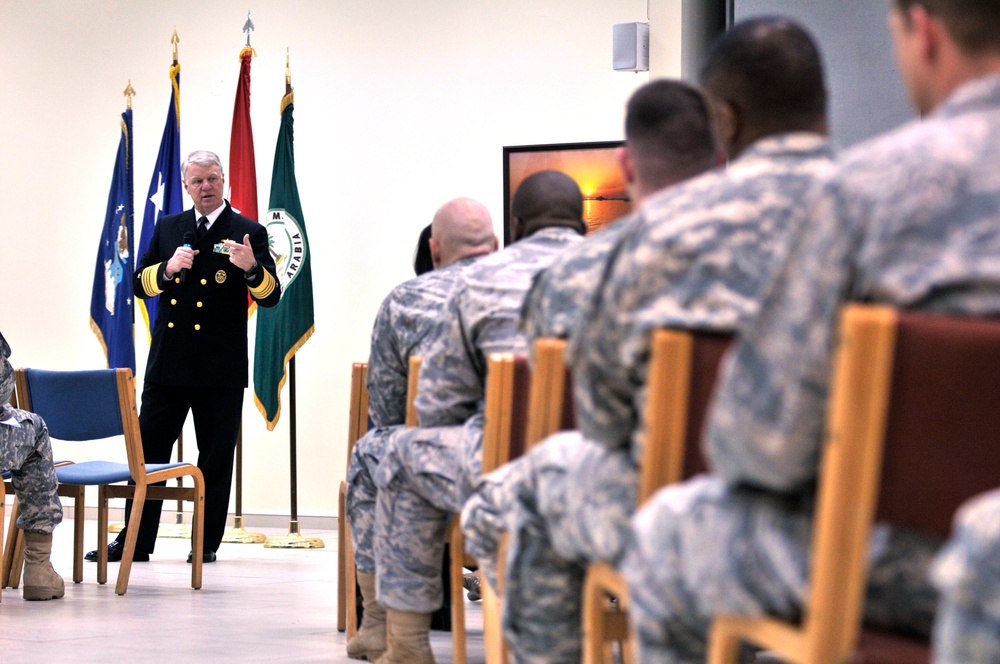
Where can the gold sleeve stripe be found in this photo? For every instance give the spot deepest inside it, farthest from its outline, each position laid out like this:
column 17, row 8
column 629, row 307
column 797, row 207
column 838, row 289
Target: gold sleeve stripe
column 149, row 285
column 262, row 290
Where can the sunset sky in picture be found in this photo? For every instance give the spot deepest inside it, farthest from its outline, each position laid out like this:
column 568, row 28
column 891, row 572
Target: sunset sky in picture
column 596, row 170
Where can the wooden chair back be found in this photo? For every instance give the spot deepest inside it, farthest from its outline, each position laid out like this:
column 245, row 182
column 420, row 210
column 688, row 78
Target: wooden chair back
column 357, row 425
column 683, row 367
column 412, row 379
column 911, row 434
column 682, row 374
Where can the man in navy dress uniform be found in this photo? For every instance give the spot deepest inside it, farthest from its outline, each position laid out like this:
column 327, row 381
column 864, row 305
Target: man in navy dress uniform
column 201, row 262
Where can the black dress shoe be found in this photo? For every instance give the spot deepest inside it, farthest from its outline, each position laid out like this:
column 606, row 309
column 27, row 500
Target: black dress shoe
column 115, row 551
column 206, row 557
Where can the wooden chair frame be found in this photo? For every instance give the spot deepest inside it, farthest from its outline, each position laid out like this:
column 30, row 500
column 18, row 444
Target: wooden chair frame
column 668, row 440
column 545, row 416
column 848, row 500
column 662, row 463
column 357, row 426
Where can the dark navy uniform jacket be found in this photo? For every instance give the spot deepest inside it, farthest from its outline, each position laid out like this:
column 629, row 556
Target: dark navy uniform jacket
column 200, row 335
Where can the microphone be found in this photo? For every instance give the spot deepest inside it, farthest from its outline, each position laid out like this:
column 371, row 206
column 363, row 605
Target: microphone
column 188, row 239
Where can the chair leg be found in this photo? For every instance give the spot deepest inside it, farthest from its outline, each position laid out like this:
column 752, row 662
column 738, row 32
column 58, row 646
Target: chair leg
column 8, row 554
column 493, row 639
column 3, row 508
column 341, row 561
column 16, row 546
column 197, row 532
column 79, row 508
column 594, row 602
column 457, row 543
column 102, row 535
column 350, row 585
column 723, row 643
column 131, row 536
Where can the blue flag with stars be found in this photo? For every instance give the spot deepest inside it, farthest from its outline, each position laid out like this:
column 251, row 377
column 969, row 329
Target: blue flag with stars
column 111, row 300
column 165, row 189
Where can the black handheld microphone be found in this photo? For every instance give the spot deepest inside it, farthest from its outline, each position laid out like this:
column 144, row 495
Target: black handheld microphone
column 188, row 239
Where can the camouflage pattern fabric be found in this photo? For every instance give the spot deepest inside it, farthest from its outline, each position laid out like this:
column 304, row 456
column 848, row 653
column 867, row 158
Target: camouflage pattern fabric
column 427, row 472
column 558, row 294
column 403, row 328
column 698, row 257
column 908, row 219
column 967, row 575
column 26, row 452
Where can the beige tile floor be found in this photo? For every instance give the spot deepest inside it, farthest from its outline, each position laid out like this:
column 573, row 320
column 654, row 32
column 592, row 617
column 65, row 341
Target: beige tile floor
column 256, row 604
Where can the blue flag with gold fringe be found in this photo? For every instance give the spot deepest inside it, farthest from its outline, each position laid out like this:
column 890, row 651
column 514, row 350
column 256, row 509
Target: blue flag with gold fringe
column 111, row 300
column 165, row 189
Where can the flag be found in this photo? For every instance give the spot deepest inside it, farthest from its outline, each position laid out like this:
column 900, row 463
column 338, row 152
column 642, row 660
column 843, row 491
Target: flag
column 283, row 329
column 165, row 189
column 242, row 167
column 111, row 299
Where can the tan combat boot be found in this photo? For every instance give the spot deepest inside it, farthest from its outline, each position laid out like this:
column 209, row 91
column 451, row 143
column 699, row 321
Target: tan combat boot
column 369, row 642
column 40, row 580
column 409, row 639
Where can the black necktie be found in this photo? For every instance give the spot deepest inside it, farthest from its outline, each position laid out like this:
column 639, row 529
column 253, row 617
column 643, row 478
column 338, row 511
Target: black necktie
column 202, row 227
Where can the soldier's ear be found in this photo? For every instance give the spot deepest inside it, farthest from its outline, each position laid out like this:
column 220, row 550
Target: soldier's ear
column 435, row 248
column 729, row 124
column 516, row 229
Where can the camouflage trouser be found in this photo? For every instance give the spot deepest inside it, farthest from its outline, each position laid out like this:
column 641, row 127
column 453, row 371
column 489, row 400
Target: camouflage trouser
column 565, row 504
column 702, row 548
column 422, row 481
column 26, row 452
column 967, row 574
column 362, row 492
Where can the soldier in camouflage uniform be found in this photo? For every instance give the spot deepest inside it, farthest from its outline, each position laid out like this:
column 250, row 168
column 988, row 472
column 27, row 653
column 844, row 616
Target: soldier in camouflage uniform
column 908, row 219
column 668, row 139
column 699, row 258
column 26, row 452
column 967, row 574
column 462, row 231
column 427, row 471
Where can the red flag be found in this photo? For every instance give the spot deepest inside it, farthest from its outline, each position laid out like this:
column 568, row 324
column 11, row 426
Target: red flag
column 242, row 167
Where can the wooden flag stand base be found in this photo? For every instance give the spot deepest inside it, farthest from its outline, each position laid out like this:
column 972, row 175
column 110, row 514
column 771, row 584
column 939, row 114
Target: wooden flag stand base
column 240, row 536
column 293, row 540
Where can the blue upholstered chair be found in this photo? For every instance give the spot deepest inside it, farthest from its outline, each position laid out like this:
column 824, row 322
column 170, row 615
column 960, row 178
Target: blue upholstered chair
column 100, row 404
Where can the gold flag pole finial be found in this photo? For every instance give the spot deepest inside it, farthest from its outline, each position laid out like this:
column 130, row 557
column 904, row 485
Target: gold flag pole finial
column 129, row 93
column 175, row 40
column 248, row 28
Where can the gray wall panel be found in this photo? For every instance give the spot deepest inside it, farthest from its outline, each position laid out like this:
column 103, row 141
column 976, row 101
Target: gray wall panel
column 866, row 94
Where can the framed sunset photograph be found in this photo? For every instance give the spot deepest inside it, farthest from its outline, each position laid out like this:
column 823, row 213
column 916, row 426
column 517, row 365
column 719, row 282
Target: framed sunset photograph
column 593, row 166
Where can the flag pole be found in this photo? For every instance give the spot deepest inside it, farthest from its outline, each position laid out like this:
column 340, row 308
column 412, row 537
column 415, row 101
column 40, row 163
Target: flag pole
column 238, row 534
column 294, row 539
column 178, row 529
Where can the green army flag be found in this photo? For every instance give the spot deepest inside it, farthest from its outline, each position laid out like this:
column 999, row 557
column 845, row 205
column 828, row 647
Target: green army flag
column 283, row 329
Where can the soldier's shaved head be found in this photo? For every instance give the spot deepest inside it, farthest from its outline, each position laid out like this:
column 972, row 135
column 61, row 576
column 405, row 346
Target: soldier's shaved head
column 461, row 228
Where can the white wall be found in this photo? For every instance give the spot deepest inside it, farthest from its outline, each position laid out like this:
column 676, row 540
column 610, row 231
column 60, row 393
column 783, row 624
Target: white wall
column 400, row 105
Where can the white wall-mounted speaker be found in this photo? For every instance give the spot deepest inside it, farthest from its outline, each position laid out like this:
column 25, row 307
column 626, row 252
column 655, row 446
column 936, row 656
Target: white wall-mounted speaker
column 630, row 46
